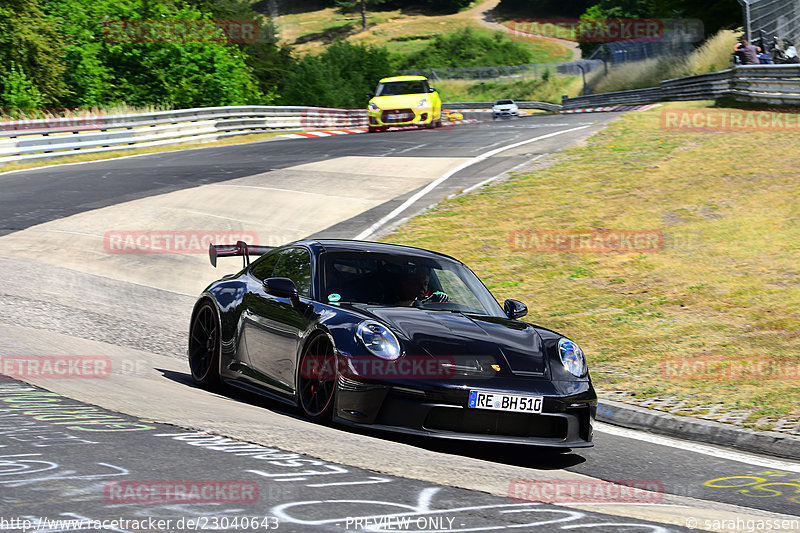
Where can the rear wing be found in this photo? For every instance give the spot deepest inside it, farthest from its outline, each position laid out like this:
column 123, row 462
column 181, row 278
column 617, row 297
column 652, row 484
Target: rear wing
column 240, row 248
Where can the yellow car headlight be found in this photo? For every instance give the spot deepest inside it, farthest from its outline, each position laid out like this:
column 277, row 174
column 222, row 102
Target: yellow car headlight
column 422, row 103
column 373, row 107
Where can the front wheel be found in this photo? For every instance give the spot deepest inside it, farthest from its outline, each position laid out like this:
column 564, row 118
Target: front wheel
column 317, row 381
column 204, row 343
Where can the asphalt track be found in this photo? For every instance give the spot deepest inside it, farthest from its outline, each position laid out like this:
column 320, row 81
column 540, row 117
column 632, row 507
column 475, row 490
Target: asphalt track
column 63, row 302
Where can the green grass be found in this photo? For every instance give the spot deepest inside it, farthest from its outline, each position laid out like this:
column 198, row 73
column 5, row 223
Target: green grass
column 725, row 288
column 538, row 90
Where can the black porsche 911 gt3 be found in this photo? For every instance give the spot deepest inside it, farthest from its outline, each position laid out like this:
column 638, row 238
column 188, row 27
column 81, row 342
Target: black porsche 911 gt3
column 392, row 338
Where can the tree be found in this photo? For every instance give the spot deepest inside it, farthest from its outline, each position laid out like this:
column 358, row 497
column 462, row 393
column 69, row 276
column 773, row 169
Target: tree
column 30, row 53
column 339, row 77
column 350, row 6
column 598, row 14
column 109, row 66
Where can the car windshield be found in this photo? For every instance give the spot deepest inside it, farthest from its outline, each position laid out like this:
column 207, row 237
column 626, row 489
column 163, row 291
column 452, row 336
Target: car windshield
column 394, row 88
column 504, row 102
column 404, row 281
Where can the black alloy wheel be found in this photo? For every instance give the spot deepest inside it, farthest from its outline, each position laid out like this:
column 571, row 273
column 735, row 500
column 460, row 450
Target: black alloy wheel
column 317, row 381
column 204, row 346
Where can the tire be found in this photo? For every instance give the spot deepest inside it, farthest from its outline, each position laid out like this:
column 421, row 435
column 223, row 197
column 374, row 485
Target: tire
column 372, row 129
column 204, row 346
column 316, row 388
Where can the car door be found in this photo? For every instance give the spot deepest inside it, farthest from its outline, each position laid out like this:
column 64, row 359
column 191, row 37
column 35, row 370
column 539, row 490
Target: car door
column 273, row 326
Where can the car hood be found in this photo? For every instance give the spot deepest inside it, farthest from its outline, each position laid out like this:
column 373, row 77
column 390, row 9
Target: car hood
column 504, row 107
column 445, row 333
column 400, row 101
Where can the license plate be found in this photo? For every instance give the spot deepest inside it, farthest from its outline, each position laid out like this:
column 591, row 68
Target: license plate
column 505, row 402
column 397, row 116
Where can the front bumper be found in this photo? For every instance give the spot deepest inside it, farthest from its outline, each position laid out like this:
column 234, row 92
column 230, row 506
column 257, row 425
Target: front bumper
column 505, row 113
column 439, row 410
column 399, row 117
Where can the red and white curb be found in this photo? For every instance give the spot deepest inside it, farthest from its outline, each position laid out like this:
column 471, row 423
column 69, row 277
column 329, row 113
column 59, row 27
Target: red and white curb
column 329, row 133
column 521, row 112
column 612, row 108
column 326, row 133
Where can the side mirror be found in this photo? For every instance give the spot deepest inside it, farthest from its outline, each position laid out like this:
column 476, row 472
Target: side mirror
column 370, row 94
column 514, row 309
column 431, row 90
column 281, row 287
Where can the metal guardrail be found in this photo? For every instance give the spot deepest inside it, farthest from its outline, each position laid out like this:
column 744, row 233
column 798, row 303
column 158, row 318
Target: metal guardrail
column 23, row 140
column 771, row 84
column 545, row 106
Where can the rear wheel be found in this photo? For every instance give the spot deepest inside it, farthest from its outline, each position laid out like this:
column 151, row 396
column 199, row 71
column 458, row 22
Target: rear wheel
column 204, row 346
column 317, row 382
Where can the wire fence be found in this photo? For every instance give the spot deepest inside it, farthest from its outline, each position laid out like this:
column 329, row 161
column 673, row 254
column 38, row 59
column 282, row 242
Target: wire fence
column 533, row 70
column 674, row 44
column 775, row 18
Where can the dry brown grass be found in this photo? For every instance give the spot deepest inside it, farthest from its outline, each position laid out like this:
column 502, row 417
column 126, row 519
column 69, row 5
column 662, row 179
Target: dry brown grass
column 715, row 54
column 400, row 32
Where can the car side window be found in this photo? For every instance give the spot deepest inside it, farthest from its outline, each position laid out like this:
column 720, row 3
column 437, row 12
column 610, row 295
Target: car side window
column 263, row 267
column 295, row 264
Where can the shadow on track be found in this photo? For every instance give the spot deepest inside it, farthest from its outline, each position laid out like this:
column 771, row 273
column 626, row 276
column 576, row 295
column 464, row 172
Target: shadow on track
column 511, row 454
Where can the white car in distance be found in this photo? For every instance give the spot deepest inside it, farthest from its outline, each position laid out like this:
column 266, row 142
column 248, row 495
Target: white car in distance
column 505, row 108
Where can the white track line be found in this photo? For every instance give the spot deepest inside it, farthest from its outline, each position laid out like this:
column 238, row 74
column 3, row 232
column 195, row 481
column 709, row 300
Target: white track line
column 477, row 159
column 719, row 453
column 489, row 180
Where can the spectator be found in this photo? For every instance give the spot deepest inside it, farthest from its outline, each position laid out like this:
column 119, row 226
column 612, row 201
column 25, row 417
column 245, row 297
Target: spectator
column 791, row 55
column 747, row 53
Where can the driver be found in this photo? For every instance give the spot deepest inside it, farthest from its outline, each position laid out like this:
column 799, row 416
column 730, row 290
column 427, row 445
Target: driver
column 413, row 289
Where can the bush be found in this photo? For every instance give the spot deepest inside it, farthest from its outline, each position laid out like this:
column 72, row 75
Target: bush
column 19, row 91
column 467, row 48
column 339, row 77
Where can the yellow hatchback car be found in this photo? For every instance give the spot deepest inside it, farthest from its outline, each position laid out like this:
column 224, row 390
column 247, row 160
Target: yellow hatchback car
column 404, row 101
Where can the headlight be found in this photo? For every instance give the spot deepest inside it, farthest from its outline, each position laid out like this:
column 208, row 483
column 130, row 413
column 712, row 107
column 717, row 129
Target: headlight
column 422, row 103
column 378, row 340
column 373, row 107
column 572, row 358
